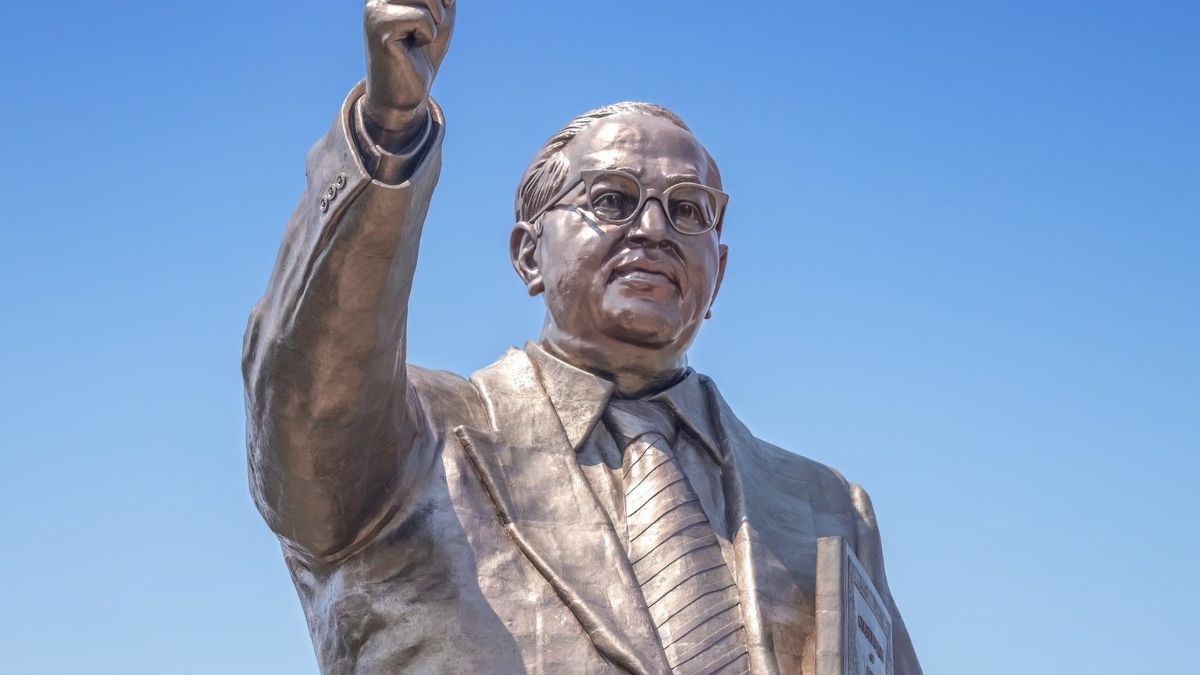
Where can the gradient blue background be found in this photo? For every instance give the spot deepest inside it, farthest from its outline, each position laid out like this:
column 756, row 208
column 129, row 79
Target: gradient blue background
column 964, row 271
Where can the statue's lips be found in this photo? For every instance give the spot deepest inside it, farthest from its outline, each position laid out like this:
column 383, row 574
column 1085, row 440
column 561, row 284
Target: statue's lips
column 645, row 271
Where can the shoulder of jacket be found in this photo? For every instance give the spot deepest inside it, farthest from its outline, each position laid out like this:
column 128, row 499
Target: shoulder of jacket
column 777, row 461
column 441, row 394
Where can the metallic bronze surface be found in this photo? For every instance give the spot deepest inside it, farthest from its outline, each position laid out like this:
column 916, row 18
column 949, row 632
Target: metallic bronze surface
column 674, row 550
column 445, row 525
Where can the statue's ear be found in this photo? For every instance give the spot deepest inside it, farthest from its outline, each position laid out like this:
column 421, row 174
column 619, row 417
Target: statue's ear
column 723, row 253
column 522, row 247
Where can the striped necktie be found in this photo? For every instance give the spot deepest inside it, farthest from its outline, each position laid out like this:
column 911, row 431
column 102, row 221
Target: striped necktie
column 676, row 558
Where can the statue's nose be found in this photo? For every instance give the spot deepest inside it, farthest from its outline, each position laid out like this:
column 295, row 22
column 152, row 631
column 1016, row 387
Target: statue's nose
column 652, row 225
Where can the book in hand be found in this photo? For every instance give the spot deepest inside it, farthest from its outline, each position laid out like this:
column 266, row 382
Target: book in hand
column 854, row 627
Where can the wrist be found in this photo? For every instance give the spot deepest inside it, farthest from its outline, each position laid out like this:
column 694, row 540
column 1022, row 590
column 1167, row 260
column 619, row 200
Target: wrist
column 390, row 164
column 395, row 131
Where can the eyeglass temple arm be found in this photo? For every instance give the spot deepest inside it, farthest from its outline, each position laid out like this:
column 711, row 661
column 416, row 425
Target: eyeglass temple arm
column 552, row 202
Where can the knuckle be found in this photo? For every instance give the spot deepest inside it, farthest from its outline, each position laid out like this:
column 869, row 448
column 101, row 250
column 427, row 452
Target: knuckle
column 433, row 8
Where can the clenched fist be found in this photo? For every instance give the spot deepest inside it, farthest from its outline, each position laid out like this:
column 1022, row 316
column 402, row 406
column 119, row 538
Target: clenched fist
column 406, row 42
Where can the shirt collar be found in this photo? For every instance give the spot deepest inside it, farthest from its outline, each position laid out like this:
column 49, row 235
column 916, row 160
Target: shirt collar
column 579, row 398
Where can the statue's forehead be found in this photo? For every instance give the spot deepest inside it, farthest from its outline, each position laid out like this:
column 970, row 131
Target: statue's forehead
column 640, row 142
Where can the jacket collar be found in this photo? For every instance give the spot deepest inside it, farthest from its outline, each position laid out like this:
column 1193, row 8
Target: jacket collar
column 579, row 399
column 529, row 469
column 567, row 536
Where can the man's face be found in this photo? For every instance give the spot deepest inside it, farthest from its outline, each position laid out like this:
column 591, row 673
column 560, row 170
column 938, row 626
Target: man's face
column 642, row 285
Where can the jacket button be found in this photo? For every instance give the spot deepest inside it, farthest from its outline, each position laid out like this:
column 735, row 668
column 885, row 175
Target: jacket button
column 324, row 205
column 331, row 194
column 340, row 182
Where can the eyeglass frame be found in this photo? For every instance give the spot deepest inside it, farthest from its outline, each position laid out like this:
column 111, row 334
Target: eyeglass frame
column 588, row 176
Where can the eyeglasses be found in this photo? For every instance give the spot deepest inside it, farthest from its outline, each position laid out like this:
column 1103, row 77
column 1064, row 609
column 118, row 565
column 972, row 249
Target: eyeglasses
column 617, row 198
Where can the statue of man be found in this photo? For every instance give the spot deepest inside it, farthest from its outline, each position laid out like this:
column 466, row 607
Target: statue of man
column 588, row 503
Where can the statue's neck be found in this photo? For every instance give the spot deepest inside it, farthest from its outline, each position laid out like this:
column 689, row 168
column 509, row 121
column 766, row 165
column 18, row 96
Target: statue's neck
column 635, row 370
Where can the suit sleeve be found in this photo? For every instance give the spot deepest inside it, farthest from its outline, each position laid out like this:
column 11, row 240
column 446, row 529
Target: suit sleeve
column 870, row 553
column 332, row 445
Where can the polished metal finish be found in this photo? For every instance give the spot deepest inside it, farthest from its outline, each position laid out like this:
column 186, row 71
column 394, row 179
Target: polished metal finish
column 674, row 551
column 854, row 626
column 438, row 524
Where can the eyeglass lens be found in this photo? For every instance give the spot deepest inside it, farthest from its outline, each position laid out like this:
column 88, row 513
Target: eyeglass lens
column 615, row 198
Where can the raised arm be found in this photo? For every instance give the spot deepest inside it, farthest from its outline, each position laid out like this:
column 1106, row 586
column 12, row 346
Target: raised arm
column 332, row 446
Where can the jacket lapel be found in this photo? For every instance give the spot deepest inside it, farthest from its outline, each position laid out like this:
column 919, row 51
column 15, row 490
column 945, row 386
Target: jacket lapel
column 529, row 469
column 775, row 611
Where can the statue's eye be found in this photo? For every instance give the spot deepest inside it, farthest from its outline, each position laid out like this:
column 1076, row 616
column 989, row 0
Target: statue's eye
column 687, row 210
column 689, row 216
column 613, row 205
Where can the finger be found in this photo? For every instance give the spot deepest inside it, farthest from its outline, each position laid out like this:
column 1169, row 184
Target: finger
column 439, row 47
column 434, row 7
column 402, row 23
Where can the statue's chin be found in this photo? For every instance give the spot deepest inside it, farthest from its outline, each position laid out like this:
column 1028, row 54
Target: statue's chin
column 642, row 323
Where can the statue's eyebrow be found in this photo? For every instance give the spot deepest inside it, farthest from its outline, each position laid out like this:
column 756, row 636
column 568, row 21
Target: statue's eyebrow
column 610, row 165
column 641, row 174
column 683, row 178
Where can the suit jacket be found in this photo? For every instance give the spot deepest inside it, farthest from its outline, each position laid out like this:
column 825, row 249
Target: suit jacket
column 435, row 524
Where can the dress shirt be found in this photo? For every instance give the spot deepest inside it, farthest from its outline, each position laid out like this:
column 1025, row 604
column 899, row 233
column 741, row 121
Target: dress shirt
column 580, row 399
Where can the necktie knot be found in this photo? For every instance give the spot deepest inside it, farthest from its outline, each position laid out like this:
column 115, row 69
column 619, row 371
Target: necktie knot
column 633, row 419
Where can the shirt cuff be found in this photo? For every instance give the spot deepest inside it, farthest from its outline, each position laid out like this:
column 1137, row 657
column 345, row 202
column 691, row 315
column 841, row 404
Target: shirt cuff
column 384, row 166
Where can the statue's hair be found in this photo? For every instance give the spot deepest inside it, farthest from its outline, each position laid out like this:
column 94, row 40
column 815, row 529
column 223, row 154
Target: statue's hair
column 548, row 172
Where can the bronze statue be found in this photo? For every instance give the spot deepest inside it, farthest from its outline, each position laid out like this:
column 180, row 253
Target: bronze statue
column 586, row 504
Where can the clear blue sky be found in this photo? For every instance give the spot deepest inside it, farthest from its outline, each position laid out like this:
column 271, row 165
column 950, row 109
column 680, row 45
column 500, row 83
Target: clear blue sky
column 964, row 271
